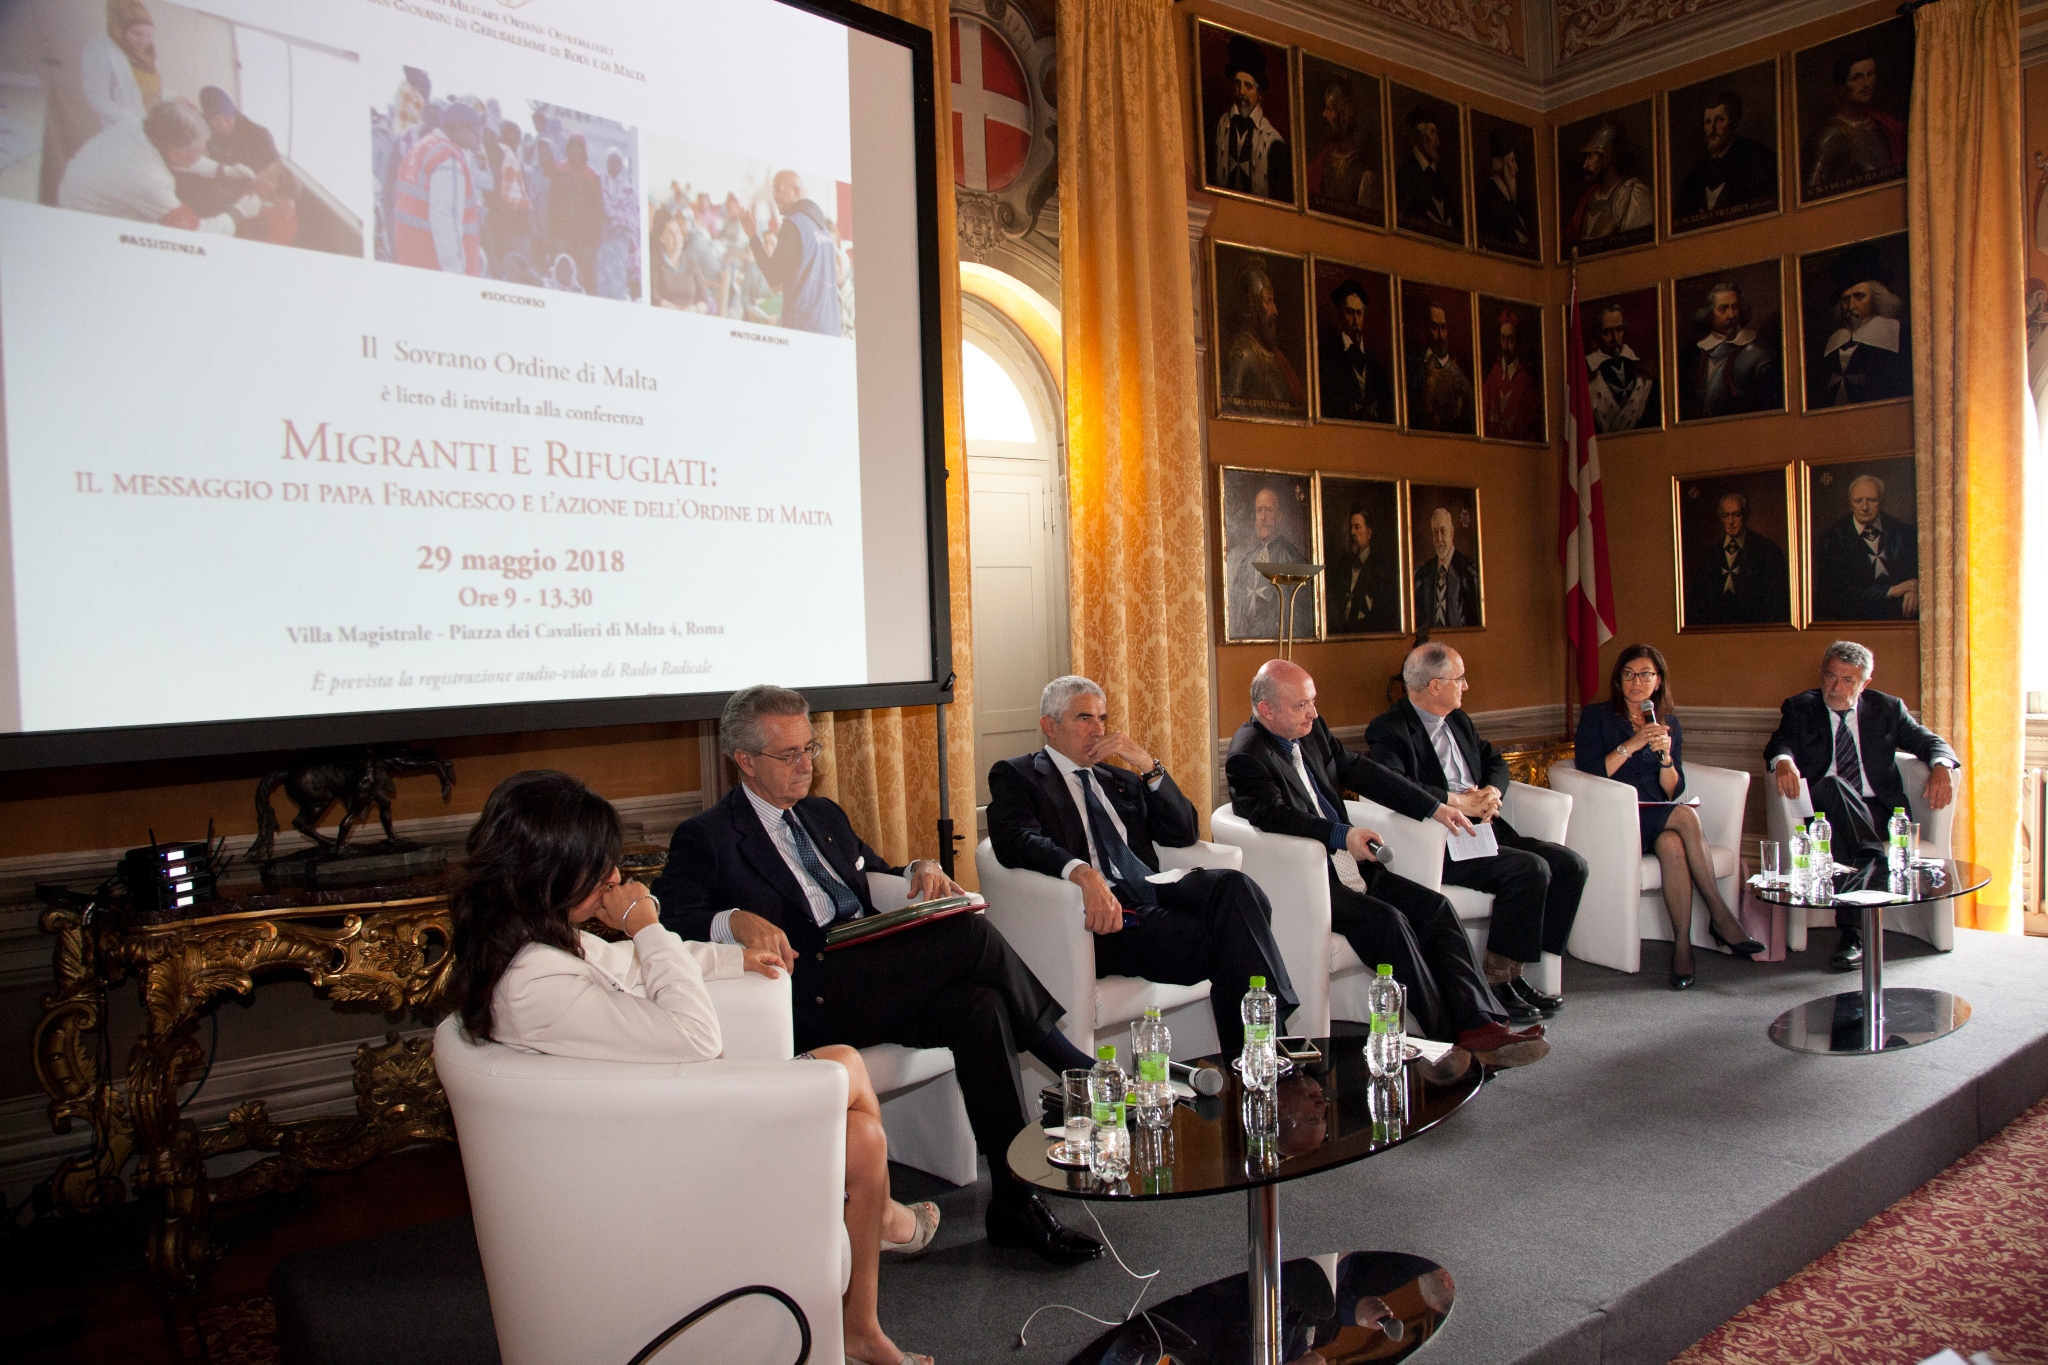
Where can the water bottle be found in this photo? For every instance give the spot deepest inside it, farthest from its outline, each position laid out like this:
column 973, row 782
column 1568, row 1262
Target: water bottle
column 1152, row 1094
column 1821, row 852
column 1110, row 1158
column 1898, row 852
column 1387, row 1102
column 1384, row 1047
column 1802, row 864
column 1260, row 1064
column 1261, row 1114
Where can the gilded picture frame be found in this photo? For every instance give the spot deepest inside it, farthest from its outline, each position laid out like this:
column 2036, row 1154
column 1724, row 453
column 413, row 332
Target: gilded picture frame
column 1755, row 588
column 1262, row 516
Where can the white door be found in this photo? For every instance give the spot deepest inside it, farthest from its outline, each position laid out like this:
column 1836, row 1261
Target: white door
column 1016, row 512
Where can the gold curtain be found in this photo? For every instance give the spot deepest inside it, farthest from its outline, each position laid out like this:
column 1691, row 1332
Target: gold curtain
column 883, row 766
column 1969, row 376
column 1139, row 558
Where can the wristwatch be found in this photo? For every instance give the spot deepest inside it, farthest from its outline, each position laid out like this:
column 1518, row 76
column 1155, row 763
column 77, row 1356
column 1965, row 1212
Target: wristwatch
column 1158, row 771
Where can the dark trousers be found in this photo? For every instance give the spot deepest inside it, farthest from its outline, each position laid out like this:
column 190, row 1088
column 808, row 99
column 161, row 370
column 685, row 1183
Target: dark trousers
column 1414, row 930
column 1535, row 888
column 955, row 984
column 1212, row 925
column 1857, row 823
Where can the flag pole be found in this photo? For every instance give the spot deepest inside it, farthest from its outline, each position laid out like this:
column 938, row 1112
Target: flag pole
column 1565, row 471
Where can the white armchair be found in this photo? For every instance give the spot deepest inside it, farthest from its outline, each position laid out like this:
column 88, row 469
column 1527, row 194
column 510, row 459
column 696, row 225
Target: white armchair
column 1934, row 922
column 922, row 1111
column 603, row 1207
column 1293, row 872
column 1624, row 900
column 1042, row 919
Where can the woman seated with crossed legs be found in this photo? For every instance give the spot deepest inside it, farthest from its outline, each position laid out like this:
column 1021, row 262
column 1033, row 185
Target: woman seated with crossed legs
column 544, row 858
column 1644, row 748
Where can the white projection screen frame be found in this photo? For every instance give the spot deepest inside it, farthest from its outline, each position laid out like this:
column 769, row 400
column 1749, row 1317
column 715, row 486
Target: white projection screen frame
column 465, row 454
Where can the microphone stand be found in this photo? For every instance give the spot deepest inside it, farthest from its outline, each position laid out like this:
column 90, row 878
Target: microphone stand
column 946, row 836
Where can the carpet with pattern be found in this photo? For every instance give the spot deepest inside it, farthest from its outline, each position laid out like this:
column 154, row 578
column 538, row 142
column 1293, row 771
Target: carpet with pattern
column 1961, row 1262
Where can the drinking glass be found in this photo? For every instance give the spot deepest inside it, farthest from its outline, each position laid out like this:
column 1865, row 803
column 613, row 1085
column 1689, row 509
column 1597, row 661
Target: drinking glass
column 1913, row 842
column 1079, row 1136
column 1771, row 854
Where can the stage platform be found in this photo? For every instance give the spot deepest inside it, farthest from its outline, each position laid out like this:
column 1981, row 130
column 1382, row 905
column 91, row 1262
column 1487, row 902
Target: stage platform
column 1664, row 1167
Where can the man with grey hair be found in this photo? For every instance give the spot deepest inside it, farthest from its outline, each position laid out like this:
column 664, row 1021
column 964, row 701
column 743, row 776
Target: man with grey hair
column 1844, row 739
column 1288, row 775
column 1868, row 356
column 772, row 866
column 1066, row 812
column 1430, row 740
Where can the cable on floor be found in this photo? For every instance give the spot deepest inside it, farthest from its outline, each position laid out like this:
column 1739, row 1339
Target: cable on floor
column 1144, row 1287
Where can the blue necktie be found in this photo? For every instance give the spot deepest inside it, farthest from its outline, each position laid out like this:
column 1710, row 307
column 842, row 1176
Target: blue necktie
column 1847, row 766
column 1330, row 812
column 845, row 905
column 1127, row 872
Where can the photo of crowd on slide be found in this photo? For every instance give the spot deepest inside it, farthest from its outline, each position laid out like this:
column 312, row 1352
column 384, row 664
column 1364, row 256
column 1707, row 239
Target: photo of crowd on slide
column 736, row 237
column 521, row 191
column 162, row 114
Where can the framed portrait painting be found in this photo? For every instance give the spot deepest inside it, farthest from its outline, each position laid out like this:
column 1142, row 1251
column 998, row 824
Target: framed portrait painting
column 1260, row 310
column 1505, row 215
column 1863, row 559
column 1855, row 329
column 1449, row 585
column 1606, row 168
column 1436, row 359
column 1850, row 97
column 1354, row 310
column 1343, row 143
column 1735, row 545
column 1513, row 381
column 1728, row 336
column 1363, row 586
column 1721, row 149
column 1244, row 100
column 1623, row 335
column 1429, row 161
column 1268, row 517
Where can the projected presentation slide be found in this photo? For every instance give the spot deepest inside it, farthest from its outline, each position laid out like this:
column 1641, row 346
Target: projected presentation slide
column 385, row 354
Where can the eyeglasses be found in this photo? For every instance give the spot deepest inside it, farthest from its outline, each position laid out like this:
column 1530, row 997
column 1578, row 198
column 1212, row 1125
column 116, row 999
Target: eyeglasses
column 1458, row 681
column 808, row 754
column 1640, row 675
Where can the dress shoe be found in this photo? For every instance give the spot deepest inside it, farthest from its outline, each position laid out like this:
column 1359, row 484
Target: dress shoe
column 1848, row 953
column 1497, row 1045
column 1681, row 981
column 1518, row 1010
column 1029, row 1223
column 1546, row 1005
column 1744, row 947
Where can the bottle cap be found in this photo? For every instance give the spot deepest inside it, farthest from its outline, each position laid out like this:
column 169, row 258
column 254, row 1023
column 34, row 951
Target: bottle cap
column 1386, row 969
column 1107, row 1052
column 1152, row 1012
column 1258, row 983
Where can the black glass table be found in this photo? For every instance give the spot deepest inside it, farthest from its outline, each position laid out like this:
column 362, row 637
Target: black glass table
column 1325, row 1114
column 1878, row 1018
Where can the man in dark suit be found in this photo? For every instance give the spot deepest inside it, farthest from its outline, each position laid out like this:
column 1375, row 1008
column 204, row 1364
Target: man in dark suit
column 1354, row 385
column 1852, row 769
column 1535, row 885
column 1065, row 812
column 1867, row 567
column 1365, row 586
column 1736, row 177
column 1447, row 583
column 1738, row 577
column 1288, row 775
column 771, row 866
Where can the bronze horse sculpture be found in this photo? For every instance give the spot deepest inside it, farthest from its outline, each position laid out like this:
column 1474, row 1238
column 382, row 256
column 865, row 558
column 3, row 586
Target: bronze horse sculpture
column 359, row 779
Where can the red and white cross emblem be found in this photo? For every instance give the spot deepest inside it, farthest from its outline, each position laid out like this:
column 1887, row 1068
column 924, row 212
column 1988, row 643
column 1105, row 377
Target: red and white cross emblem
column 991, row 108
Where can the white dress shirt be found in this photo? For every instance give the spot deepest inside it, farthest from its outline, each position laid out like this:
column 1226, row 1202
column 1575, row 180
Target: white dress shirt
column 1072, row 771
column 822, row 909
column 1457, row 777
column 1340, row 857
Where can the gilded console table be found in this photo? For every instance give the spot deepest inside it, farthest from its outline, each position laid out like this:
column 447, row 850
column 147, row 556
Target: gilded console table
column 385, row 944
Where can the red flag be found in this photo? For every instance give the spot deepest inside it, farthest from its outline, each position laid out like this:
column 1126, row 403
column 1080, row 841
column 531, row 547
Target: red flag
column 1582, row 519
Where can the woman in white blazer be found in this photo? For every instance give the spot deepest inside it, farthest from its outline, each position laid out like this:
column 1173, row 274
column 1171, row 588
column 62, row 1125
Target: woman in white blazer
column 543, row 858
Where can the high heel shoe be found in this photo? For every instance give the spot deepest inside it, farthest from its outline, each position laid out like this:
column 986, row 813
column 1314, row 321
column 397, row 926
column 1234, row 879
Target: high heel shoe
column 1681, row 981
column 1749, row 947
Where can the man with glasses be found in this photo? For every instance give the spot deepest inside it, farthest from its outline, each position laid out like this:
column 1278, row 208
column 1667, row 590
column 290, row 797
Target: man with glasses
column 771, row 866
column 1535, row 885
column 1843, row 738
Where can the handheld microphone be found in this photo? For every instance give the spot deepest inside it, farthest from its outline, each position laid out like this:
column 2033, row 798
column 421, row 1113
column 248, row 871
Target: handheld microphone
column 1650, row 710
column 1204, row 1080
column 1383, row 855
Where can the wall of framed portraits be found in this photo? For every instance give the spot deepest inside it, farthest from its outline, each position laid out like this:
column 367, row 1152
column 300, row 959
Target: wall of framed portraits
column 1381, row 366
column 1385, row 281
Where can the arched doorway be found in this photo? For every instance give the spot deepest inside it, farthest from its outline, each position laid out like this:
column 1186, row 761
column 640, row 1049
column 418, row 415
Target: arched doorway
column 1017, row 512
